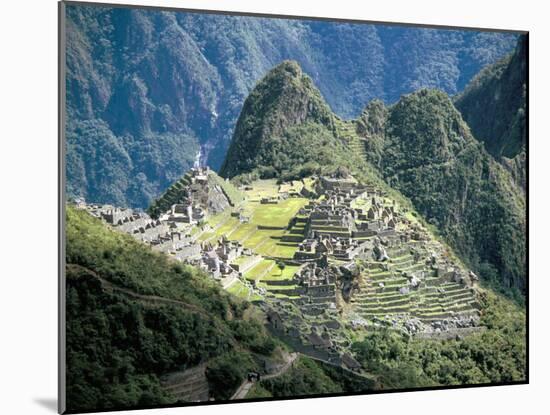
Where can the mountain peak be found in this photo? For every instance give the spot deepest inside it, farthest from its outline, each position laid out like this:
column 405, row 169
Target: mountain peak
column 429, row 128
column 288, row 66
column 285, row 97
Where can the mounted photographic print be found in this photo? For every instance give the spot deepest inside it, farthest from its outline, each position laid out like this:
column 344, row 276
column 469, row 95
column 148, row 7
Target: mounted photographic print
column 261, row 207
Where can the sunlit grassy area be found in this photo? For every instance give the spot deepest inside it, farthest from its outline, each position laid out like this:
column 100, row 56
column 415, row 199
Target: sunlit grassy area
column 286, row 297
column 238, row 289
column 276, row 287
column 293, row 186
column 276, row 274
column 206, row 236
column 277, row 249
column 241, row 260
column 276, row 215
column 275, row 241
column 227, row 227
column 262, row 188
column 260, row 269
column 242, row 232
column 254, row 240
column 217, row 219
column 266, row 242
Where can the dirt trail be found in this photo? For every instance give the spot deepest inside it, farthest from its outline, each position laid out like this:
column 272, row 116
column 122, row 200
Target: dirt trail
column 361, row 375
column 149, row 299
column 245, row 387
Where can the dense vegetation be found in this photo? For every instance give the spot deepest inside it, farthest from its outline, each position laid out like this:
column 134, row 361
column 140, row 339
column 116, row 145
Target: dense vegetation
column 157, row 85
column 431, row 157
column 284, row 98
column 118, row 170
column 420, row 146
column 226, row 372
column 496, row 355
column 309, row 377
column 118, row 343
column 494, row 105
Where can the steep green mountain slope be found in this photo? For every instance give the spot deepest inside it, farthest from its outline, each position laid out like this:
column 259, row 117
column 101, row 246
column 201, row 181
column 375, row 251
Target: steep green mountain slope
column 494, row 106
column 286, row 130
column 133, row 315
column 284, row 99
column 149, row 87
column 430, row 156
column 420, row 146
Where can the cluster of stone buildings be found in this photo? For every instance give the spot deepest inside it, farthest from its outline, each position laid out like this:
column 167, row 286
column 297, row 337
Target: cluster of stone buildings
column 344, row 249
column 191, row 198
column 172, row 233
column 218, row 259
column 185, row 213
column 314, row 335
column 349, row 224
column 164, row 234
column 340, row 227
column 311, row 323
column 203, row 194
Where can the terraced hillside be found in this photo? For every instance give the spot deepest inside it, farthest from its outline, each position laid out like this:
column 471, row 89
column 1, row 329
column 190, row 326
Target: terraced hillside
column 190, row 385
column 382, row 294
column 327, row 262
column 219, row 194
column 347, row 132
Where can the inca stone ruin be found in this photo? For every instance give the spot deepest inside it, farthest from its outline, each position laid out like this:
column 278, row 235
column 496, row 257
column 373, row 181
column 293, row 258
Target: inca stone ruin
column 323, row 257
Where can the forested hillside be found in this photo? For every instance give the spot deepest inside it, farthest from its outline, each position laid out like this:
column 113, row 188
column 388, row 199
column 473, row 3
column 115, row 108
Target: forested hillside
column 133, row 315
column 146, row 89
column 430, row 156
column 494, row 105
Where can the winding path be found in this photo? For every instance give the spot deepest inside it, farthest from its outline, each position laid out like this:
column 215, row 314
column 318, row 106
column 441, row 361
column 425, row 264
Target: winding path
column 245, row 387
column 150, row 299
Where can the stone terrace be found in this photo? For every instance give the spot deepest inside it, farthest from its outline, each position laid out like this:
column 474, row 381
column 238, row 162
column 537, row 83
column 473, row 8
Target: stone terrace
column 418, row 289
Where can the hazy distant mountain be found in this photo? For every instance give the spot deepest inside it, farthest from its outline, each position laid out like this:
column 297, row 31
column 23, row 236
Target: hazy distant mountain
column 146, row 89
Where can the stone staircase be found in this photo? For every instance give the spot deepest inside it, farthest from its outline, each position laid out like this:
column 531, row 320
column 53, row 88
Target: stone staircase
column 189, row 385
column 346, row 132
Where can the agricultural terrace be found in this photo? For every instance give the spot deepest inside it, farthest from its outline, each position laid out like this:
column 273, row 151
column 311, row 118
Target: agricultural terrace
column 266, row 231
